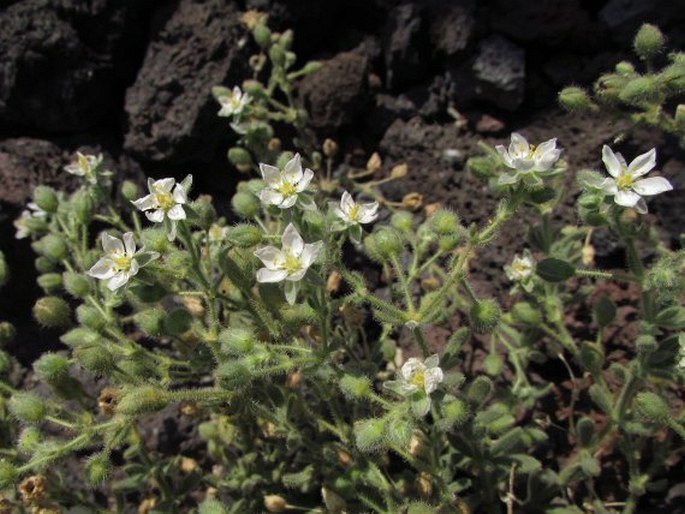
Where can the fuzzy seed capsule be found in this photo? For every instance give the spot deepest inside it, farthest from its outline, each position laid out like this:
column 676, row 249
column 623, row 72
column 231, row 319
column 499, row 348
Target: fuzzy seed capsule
column 649, row 41
column 51, row 312
column 46, row 198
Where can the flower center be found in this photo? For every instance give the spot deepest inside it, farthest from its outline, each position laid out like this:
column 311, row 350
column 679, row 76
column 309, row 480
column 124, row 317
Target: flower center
column 625, row 181
column 121, row 261
column 287, row 189
column 165, row 200
column 417, row 378
column 354, row 212
column 292, row 264
column 520, row 267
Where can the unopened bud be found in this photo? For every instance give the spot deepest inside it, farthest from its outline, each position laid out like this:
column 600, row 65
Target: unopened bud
column 330, row 147
column 652, row 407
column 76, row 284
column 155, row 240
column 8, row 474
column 384, row 244
column 639, row 90
column 575, row 99
column 374, row 163
column 28, row 440
column 262, row 35
column 236, row 341
column 52, row 369
column 625, row 68
column 680, row 116
column 150, row 321
column 245, row 204
column 479, row 390
column 141, row 400
column 244, row 235
column 27, row 407
column 525, row 313
column 94, row 358
column 645, row 344
column 7, row 332
column 241, row 159
column 369, row 434
column 355, row 386
column 54, row 247
column 130, row 190
column 444, row 222
column 484, row 316
column 403, row 221
column 51, row 312
column 253, row 88
column 334, row 503
column 83, row 206
column 50, row 282
column 46, row 198
column 97, row 469
column 399, row 171
column 648, row 42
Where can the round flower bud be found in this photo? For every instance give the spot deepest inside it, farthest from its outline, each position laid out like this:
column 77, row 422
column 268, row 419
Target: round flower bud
column 233, row 375
column 211, row 506
column 369, row 434
column 90, row 317
column 418, row 507
column 484, row 316
column 50, row 282
column 46, row 198
column 355, row 386
column 150, row 321
column 585, row 429
column 83, row 206
column 445, row 223
column 648, row 42
column 97, row 469
column 51, row 312
column 262, row 35
column 236, row 341
column 454, row 413
column 206, row 214
column 575, row 99
column 330, row 147
column 44, row 265
column 646, row 344
column 245, row 204
column 130, row 190
column 27, row 407
column 141, row 400
column 76, row 284
column 275, row 503
column 526, row 314
column 253, row 88
column 479, row 390
column 387, row 243
column 28, row 440
column 7, row 332
column 244, row 235
column 80, row 336
column 625, row 68
column 54, row 247
column 241, row 159
column 178, row 321
column 639, row 90
column 95, row 359
column 399, row 432
column 51, row 368
column 652, row 407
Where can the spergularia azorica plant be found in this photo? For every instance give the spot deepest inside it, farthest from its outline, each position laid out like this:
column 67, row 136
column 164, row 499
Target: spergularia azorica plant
column 286, row 187
column 86, row 166
column 233, row 104
column 351, row 215
column 165, row 202
column 121, row 260
column 528, row 161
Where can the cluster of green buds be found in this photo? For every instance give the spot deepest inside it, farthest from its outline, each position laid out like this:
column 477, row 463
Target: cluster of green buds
column 645, row 96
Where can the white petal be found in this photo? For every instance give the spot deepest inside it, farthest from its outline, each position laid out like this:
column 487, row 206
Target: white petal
column 369, row 212
column 518, row 146
column 311, row 252
column 133, row 270
column 407, row 389
column 613, row 165
column 346, row 202
column 292, row 240
column 155, row 216
column 609, row 186
column 111, row 244
column 74, row 169
column 271, row 174
column 270, row 197
column 163, row 185
column 146, row 202
column 626, row 198
column 287, row 203
column 431, row 378
column 297, row 276
column 176, row 213
column 410, row 367
column 506, row 179
column 523, row 164
column 102, row 269
column 291, row 289
column 546, row 147
column 117, row 281
column 641, row 206
column 652, row 186
column 270, row 256
column 504, row 155
column 304, row 180
column 547, row 159
column 292, row 171
column 129, row 243
column 172, row 231
column 179, row 194
column 643, row 164
column 265, row 275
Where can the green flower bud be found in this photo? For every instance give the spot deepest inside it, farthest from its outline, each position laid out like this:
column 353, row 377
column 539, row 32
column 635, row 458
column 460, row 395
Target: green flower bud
column 80, row 336
column 648, row 42
column 179, row 261
column 311, row 67
column 130, row 190
column 479, row 390
column 403, row 221
column 592, row 357
column 646, row 344
column 244, row 235
column 253, row 88
column 575, row 99
column 35, row 226
column 51, row 312
column 245, row 204
column 83, row 206
column 8, row 474
column 97, row 469
column 262, row 35
column 76, row 284
column 46, row 198
column 90, row 317
column 601, row 397
column 5, row 363
column 28, row 440
column 482, row 167
column 4, row 271
column 444, row 222
column 234, row 375
column 50, row 282
column 205, row 212
column 386, row 244
column 651, row 406
column 54, row 247
column 609, row 86
column 585, row 429
column 355, row 386
column 277, row 55
column 141, row 400
column 236, row 341
column 51, row 368
column 369, row 434
column 241, row 159
column 150, row 321
column 526, row 314
column 178, row 321
column 7, row 332
column 155, row 240
column 454, row 413
column 484, row 316
column 95, row 358
column 640, row 90
column 625, row 68
column 399, row 431
column 44, row 265
column 211, row 506
column 27, row 407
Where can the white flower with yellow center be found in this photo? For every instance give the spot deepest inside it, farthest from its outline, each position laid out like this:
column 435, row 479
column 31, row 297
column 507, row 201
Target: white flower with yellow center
column 85, row 166
column 287, row 187
column 528, row 161
column 521, row 267
column 165, row 202
column 355, row 213
column 623, row 186
column 234, row 103
column 288, row 263
column 121, row 261
column 33, row 212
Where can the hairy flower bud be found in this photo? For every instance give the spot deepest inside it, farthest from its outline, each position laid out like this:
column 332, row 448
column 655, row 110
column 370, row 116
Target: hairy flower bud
column 90, row 317
column 8, row 474
column 51, row 312
column 236, row 341
column 28, row 440
column 245, row 204
column 403, row 221
column 355, row 386
column 76, row 284
column 27, row 407
column 479, row 390
column 54, row 247
column 141, row 400
column 51, row 368
column 385, row 244
column 444, row 222
column 484, row 316
column 150, row 321
column 575, row 99
column 95, row 358
column 97, row 469
column 640, row 90
column 50, row 282
column 369, row 434
column 244, row 235
column 241, row 159
column 652, row 407
column 83, row 206
column 585, row 429
column 46, row 198
column 526, row 314
column 649, row 41
column 130, row 190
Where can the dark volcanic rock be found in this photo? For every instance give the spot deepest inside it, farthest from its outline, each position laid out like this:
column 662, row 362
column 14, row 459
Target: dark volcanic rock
column 338, row 93
column 452, row 25
column 50, row 79
column 404, row 45
column 171, row 113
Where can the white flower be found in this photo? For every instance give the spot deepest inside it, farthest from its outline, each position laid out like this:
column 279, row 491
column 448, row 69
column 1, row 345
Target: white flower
column 623, row 186
column 354, row 213
column 521, row 267
column 285, row 188
column 121, row 261
column 164, row 204
column 32, row 212
column 289, row 263
column 416, row 376
column 233, row 104
column 527, row 159
column 85, row 166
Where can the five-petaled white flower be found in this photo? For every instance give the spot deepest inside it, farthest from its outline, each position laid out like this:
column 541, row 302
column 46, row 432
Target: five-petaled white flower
column 32, row 212
column 289, row 263
column 623, row 186
column 165, row 202
column 85, row 166
column 521, row 267
column 121, row 261
column 527, row 160
column 233, row 104
column 286, row 188
column 418, row 378
column 355, row 213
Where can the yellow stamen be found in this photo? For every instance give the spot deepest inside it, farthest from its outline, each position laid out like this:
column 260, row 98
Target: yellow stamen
column 354, row 212
column 625, row 181
column 122, row 262
column 165, row 200
column 417, row 379
column 292, row 264
column 287, row 189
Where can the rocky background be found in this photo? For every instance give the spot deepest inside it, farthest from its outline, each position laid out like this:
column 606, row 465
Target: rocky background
column 132, row 79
